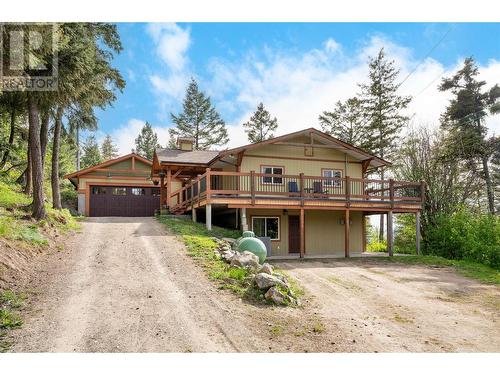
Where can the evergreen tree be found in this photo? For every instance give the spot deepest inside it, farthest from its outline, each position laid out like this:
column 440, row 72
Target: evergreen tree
column 108, row 149
column 346, row 122
column 91, row 153
column 199, row 120
column 146, row 142
column 261, row 125
column 464, row 119
column 382, row 107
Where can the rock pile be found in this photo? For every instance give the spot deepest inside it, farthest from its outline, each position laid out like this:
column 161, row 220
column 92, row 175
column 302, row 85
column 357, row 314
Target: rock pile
column 275, row 287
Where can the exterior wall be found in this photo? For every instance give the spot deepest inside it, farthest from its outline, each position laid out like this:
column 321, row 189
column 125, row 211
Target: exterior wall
column 324, row 234
column 294, row 162
column 81, row 203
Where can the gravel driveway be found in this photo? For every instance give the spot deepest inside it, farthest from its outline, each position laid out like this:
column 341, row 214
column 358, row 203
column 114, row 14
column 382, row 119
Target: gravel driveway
column 395, row 307
column 125, row 285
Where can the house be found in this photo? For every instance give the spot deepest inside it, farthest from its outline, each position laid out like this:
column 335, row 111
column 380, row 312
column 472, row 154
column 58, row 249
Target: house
column 117, row 187
column 305, row 191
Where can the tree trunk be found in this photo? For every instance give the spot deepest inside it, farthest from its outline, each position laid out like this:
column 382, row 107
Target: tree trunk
column 56, row 194
column 38, row 211
column 489, row 186
column 44, row 134
column 5, row 157
column 27, row 172
column 77, row 148
column 381, row 227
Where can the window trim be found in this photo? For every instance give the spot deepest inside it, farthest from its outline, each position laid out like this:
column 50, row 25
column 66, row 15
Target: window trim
column 332, row 183
column 265, row 226
column 137, row 195
column 119, row 187
column 263, row 166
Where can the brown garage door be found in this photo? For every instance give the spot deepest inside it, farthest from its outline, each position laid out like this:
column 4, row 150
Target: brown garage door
column 124, row 201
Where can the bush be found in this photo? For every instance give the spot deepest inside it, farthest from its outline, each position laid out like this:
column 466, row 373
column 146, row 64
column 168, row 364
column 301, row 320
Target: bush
column 405, row 234
column 376, row 247
column 465, row 235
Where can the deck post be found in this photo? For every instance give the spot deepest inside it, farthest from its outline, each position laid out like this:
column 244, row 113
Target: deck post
column 208, row 216
column 252, row 186
column 193, row 215
column 302, row 234
column 244, row 223
column 417, row 234
column 346, row 233
column 162, row 190
column 390, row 234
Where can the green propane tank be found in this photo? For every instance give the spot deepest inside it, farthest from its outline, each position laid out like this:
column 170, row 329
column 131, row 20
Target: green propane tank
column 255, row 246
column 245, row 234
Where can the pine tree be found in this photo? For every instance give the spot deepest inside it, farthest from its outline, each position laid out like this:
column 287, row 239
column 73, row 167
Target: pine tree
column 464, row 119
column 199, row 120
column 346, row 122
column 146, row 142
column 91, row 153
column 382, row 107
column 108, row 149
column 261, row 125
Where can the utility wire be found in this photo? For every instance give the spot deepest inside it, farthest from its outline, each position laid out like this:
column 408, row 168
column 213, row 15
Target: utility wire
column 427, row 55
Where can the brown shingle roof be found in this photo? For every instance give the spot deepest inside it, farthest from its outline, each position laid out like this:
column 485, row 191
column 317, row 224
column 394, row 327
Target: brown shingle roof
column 188, row 157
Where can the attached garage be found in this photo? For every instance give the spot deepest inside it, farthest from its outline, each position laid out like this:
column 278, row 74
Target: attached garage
column 118, row 187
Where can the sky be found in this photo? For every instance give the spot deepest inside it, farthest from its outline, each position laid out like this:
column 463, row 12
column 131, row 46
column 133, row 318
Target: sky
column 297, row 70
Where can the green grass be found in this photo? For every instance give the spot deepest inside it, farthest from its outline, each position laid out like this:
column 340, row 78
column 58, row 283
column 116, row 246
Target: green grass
column 9, row 303
column 467, row 268
column 15, row 222
column 201, row 247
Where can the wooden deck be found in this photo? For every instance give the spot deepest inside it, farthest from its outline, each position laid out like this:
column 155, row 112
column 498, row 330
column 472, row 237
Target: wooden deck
column 259, row 190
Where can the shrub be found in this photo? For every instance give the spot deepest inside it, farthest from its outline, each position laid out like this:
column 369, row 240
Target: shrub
column 465, row 235
column 376, row 247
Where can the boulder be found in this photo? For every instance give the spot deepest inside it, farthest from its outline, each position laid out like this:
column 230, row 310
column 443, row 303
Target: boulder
column 246, row 260
column 230, row 241
column 228, row 255
column 274, row 295
column 266, row 281
column 266, row 268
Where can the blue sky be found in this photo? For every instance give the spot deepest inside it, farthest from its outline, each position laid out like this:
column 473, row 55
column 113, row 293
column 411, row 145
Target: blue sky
column 296, row 69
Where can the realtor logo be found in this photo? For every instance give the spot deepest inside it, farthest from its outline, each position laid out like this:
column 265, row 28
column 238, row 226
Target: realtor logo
column 28, row 59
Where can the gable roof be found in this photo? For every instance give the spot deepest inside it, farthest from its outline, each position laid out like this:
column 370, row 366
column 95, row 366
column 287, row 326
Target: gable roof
column 174, row 156
column 336, row 143
column 107, row 163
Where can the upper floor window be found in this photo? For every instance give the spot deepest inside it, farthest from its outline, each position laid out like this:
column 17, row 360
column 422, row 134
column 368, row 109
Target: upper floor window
column 271, row 179
column 333, row 173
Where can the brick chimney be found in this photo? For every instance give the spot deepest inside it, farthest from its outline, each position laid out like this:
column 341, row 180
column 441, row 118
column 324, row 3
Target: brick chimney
column 185, row 143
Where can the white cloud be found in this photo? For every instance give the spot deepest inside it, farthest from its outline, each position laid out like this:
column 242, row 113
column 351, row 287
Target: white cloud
column 125, row 135
column 331, row 46
column 172, row 44
column 297, row 88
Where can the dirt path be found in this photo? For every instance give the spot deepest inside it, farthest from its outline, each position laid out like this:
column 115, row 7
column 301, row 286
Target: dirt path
column 396, row 307
column 124, row 285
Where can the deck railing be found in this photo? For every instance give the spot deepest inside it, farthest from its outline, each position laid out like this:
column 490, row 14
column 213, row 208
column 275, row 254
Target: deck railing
column 216, row 184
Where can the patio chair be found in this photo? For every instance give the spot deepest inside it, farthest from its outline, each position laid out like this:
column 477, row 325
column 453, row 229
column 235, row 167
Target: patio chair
column 318, row 187
column 293, row 187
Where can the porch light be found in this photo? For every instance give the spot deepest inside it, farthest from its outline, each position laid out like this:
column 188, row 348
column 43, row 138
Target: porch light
column 342, row 221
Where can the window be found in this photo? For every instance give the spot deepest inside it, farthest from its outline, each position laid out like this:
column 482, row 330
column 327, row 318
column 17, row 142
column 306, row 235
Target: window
column 138, row 191
column 272, row 170
column 266, row 227
column 119, row 191
column 98, row 190
column 155, row 192
column 335, row 173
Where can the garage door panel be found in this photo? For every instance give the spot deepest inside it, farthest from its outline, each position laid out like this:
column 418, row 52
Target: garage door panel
column 123, row 201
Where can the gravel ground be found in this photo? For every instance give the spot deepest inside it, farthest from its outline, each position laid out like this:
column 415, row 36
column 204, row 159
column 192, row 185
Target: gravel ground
column 126, row 285
column 390, row 307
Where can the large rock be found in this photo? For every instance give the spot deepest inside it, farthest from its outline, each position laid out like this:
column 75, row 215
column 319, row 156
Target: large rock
column 228, row 255
column 266, row 281
column 246, row 260
column 266, row 268
column 274, row 295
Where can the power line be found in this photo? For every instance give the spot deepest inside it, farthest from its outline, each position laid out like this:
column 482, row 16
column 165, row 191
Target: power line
column 427, row 55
